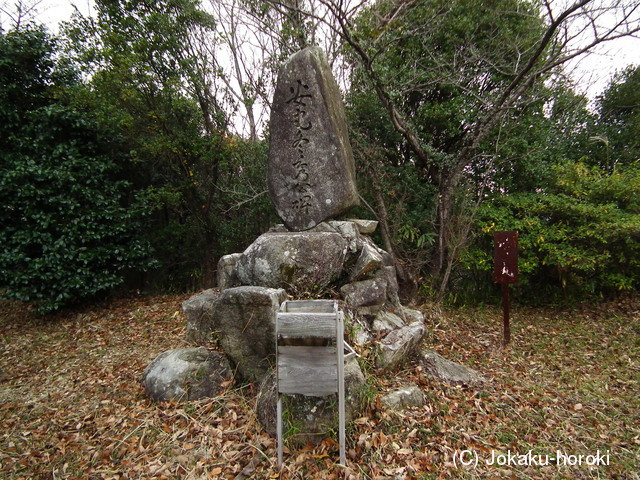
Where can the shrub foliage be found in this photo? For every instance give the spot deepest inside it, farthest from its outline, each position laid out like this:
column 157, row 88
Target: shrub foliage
column 68, row 230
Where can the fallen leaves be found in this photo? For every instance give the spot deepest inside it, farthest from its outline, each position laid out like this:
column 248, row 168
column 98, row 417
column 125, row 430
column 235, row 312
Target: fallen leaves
column 71, row 406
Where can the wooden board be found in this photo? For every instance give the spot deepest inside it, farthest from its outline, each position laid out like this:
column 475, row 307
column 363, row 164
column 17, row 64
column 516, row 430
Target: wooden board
column 310, row 357
column 312, row 325
column 309, row 306
column 505, row 257
column 311, row 371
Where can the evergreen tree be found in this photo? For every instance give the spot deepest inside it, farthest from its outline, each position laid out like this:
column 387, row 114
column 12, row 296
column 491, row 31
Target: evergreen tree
column 67, row 228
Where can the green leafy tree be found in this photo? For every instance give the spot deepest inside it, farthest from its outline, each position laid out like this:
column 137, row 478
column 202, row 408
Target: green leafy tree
column 616, row 135
column 437, row 80
column 454, row 79
column 156, row 80
column 68, row 231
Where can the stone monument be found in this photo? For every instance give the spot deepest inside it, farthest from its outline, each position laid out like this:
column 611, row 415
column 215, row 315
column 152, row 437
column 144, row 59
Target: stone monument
column 311, row 178
column 311, row 172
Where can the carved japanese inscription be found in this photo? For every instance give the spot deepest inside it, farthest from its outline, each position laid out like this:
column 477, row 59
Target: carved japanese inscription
column 311, row 173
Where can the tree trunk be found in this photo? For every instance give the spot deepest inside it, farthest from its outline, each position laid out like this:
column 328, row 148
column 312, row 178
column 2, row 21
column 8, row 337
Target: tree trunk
column 407, row 283
column 440, row 262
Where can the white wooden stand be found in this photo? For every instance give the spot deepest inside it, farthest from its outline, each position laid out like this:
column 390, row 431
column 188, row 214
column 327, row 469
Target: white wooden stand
column 310, row 356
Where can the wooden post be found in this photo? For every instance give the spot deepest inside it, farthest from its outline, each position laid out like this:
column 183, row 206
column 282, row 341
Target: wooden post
column 506, row 337
column 310, row 357
column 341, row 420
column 279, row 430
column 505, row 272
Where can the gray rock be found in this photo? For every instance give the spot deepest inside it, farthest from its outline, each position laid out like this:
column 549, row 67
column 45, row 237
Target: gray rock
column 361, row 334
column 365, row 227
column 449, row 372
column 226, row 273
column 368, row 261
column 186, row 374
column 246, row 317
column 278, row 228
column 311, row 171
column 349, row 232
column 405, row 397
column 387, row 259
column 399, row 345
column 323, row 227
column 310, row 419
column 298, row 261
column 389, row 276
column 360, row 331
column 365, row 293
column 410, row 315
column 387, row 321
column 198, row 312
column 371, row 310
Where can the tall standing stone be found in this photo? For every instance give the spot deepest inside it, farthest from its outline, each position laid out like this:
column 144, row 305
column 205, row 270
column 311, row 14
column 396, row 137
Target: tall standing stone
column 311, row 171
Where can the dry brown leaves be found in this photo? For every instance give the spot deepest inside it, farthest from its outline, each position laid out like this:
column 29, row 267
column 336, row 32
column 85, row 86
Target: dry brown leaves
column 72, row 407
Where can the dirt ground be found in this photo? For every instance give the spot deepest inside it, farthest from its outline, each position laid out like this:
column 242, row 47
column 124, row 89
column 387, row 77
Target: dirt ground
column 72, row 406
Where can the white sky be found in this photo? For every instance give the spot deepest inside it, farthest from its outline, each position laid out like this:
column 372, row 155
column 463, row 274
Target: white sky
column 591, row 74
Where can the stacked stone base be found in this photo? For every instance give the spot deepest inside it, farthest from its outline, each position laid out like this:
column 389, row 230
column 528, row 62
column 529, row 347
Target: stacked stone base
column 335, row 259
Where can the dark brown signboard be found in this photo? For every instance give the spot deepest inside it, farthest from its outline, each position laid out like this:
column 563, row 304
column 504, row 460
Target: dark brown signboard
column 505, row 257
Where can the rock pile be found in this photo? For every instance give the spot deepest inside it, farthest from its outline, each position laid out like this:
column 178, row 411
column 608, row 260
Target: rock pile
column 311, row 179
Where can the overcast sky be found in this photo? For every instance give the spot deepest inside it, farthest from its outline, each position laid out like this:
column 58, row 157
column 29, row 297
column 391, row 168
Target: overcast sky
column 592, row 74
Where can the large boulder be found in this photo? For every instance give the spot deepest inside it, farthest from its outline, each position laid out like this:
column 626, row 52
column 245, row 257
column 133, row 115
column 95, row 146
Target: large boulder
column 368, row 262
column 365, row 293
column 186, row 374
column 311, row 171
column 301, row 262
column 245, row 318
column 386, row 321
column 198, row 313
column 310, row 419
column 365, row 227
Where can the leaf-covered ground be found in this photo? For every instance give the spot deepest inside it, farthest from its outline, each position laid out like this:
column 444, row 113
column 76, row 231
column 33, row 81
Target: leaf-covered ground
column 72, row 407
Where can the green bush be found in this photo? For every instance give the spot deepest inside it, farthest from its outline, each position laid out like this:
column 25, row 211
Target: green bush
column 581, row 236
column 68, row 230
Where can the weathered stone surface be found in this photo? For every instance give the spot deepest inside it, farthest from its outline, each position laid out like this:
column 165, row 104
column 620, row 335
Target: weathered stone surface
column 390, row 277
column 371, row 310
column 449, row 372
column 246, row 318
column 349, row 232
column 314, row 417
column 226, row 272
column 198, row 312
column 186, row 374
column 368, row 261
column 387, row 259
column 409, row 315
column 311, row 172
column 365, row 293
column 400, row 344
column 300, row 261
column 278, row 228
column 365, row 227
column 323, row 227
column 387, row 321
column 406, row 397
column 360, row 333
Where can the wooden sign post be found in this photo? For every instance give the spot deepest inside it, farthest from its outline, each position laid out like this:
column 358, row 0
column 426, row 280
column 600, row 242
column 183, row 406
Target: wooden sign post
column 505, row 271
column 310, row 356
